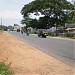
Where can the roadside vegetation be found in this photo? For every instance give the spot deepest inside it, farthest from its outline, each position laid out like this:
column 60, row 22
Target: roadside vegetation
column 5, row 28
column 62, row 35
column 4, row 69
column 55, row 14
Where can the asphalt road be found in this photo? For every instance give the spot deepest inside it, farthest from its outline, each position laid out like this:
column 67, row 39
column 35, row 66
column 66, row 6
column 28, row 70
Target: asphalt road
column 62, row 49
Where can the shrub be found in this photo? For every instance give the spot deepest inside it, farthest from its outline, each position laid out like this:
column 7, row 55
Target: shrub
column 4, row 69
column 68, row 35
column 51, row 33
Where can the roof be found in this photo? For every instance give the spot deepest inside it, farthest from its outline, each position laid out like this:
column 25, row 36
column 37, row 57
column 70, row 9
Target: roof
column 69, row 25
column 70, row 29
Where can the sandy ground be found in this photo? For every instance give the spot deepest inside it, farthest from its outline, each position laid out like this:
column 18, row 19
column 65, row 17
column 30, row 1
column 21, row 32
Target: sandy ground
column 27, row 60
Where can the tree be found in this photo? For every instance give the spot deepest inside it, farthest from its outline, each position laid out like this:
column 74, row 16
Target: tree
column 73, row 12
column 56, row 10
column 26, row 20
column 2, row 27
column 44, row 22
column 30, row 22
column 10, row 28
column 34, row 23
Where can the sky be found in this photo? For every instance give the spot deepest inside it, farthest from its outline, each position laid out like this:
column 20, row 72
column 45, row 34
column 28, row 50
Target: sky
column 10, row 11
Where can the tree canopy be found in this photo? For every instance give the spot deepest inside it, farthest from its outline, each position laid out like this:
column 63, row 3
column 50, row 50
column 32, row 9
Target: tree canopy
column 57, row 11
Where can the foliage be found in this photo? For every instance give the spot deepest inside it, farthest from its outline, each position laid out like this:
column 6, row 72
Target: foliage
column 4, row 69
column 44, row 22
column 51, row 33
column 68, row 35
column 34, row 23
column 30, row 22
column 57, row 10
column 26, row 21
column 5, row 28
column 10, row 28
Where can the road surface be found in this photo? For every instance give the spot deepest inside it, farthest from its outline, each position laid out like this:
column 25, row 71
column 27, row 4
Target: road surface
column 62, row 49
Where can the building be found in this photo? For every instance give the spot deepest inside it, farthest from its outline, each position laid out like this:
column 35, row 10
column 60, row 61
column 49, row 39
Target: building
column 70, row 28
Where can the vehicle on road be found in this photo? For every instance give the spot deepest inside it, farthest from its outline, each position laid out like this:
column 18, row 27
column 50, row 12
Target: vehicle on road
column 42, row 33
column 18, row 30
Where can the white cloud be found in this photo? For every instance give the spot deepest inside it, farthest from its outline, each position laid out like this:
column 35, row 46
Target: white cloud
column 10, row 14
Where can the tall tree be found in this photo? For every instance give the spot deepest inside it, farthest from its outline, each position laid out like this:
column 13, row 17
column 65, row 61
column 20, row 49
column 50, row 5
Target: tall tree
column 34, row 23
column 56, row 10
column 26, row 20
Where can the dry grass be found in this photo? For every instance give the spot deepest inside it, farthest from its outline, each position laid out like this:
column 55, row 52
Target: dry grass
column 25, row 59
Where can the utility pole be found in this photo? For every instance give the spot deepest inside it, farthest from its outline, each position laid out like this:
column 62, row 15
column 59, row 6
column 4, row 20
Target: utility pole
column 1, row 21
column 1, row 24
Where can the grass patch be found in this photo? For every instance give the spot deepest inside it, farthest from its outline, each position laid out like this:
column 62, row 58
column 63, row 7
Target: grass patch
column 4, row 69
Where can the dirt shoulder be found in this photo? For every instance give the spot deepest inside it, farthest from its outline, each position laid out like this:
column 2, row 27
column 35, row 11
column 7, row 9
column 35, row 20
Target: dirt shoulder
column 25, row 59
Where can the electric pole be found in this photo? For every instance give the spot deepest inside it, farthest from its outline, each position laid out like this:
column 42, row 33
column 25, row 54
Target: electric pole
column 1, row 21
column 1, row 24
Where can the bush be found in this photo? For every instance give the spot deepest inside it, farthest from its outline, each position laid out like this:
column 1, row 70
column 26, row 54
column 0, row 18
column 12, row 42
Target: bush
column 68, row 35
column 4, row 69
column 51, row 33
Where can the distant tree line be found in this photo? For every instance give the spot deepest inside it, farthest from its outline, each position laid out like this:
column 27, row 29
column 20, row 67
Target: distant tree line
column 5, row 28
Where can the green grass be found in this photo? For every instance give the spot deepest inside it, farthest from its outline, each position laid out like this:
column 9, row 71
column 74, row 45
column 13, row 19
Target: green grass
column 4, row 69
